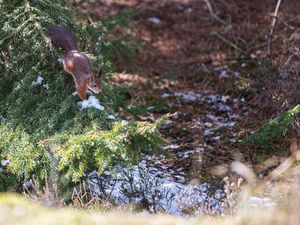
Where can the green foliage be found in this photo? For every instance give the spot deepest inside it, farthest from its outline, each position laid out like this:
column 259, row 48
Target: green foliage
column 8, row 182
column 26, row 157
column 96, row 149
column 274, row 129
column 33, row 114
column 27, row 55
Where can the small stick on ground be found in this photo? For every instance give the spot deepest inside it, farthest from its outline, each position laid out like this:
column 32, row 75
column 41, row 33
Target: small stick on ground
column 285, row 23
column 273, row 23
column 237, row 48
column 212, row 13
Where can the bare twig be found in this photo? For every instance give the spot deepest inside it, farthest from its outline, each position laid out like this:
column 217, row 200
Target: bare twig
column 212, row 13
column 237, row 48
column 261, row 45
column 273, row 23
column 286, row 24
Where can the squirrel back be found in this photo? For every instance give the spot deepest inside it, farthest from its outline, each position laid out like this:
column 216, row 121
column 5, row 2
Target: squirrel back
column 62, row 36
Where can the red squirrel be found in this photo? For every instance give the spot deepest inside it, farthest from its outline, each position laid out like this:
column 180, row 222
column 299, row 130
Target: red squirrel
column 75, row 62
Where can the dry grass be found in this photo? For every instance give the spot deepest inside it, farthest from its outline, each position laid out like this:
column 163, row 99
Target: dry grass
column 16, row 210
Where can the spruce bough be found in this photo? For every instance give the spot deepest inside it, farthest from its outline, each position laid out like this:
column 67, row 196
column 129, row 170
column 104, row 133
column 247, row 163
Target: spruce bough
column 39, row 119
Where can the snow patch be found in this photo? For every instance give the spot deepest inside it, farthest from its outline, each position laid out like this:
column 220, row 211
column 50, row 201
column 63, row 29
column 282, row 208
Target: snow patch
column 91, row 102
column 223, row 74
column 243, row 65
column 46, row 86
column 189, row 9
column 172, row 146
column 154, row 20
column 208, row 124
column 160, row 186
column 189, row 96
column 28, row 184
column 188, row 153
column 4, row 162
column 111, row 117
column 39, row 80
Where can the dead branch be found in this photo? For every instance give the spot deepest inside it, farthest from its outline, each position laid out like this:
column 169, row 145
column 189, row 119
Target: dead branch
column 286, row 24
column 234, row 46
column 273, row 23
column 212, row 13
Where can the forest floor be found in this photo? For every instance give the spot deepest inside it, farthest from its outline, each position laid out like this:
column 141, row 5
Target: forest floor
column 191, row 65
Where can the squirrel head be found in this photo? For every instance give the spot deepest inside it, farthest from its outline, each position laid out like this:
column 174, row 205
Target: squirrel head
column 95, row 83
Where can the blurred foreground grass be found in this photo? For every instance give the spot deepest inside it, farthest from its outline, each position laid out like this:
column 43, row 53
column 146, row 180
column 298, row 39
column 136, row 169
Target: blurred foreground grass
column 16, row 210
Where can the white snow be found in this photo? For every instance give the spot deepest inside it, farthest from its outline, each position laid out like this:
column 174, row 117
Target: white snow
column 111, row 117
column 155, row 185
column 216, row 138
column 189, row 96
column 28, row 184
column 154, row 20
column 212, row 117
column 225, row 98
column 38, row 81
column 243, row 65
column 208, row 132
column 172, row 146
column 46, row 86
column 167, row 122
column 217, row 120
column 165, row 95
column 236, row 74
column 60, row 61
column 4, row 162
column 189, row 9
column 188, row 153
column 223, row 74
column 91, row 102
column 208, row 124
column 222, row 114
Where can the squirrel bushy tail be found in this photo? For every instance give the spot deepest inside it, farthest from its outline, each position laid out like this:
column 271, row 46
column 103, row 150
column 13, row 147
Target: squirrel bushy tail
column 62, row 36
